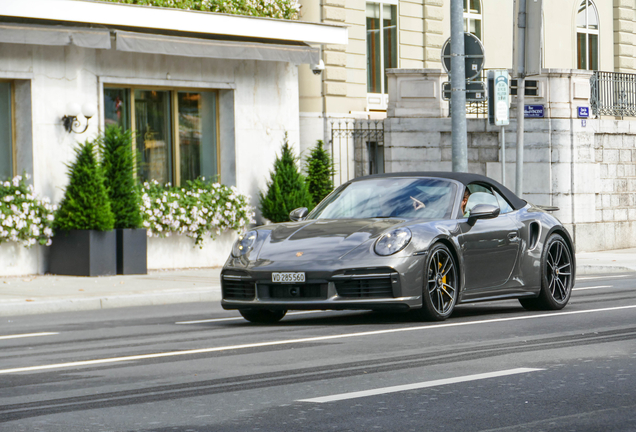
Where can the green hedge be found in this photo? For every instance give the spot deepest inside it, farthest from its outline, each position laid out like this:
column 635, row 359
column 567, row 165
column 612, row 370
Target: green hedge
column 285, row 9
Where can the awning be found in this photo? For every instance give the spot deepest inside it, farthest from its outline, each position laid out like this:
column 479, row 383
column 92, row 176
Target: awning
column 195, row 47
column 54, row 35
column 163, row 19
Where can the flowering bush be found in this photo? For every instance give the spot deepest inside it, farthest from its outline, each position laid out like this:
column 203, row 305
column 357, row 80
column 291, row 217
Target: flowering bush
column 285, row 9
column 24, row 217
column 198, row 210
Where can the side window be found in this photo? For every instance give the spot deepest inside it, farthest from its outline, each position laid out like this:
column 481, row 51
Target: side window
column 503, row 204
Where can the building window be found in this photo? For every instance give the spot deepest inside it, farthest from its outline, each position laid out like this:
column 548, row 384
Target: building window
column 6, row 132
column 175, row 131
column 472, row 17
column 381, row 45
column 531, row 87
column 587, row 36
column 375, row 154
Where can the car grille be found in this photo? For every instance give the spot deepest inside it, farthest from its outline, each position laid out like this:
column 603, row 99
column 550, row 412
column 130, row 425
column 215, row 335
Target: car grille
column 238, row 290
column 292, row 291
column 365, row 288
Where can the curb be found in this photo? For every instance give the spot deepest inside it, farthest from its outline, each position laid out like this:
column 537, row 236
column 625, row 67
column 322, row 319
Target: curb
column 596, row 269
column 22, row 307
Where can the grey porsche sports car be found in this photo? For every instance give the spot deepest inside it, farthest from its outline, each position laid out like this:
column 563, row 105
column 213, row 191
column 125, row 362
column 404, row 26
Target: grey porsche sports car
column 406, row 241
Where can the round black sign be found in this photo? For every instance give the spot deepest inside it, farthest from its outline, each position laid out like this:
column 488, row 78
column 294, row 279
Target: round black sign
column 474, row 55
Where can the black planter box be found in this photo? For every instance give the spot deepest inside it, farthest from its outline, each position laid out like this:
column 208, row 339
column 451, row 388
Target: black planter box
column 132, row 251
column 83, row 253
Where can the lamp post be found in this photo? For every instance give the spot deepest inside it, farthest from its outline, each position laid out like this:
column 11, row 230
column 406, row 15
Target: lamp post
column 458, row 88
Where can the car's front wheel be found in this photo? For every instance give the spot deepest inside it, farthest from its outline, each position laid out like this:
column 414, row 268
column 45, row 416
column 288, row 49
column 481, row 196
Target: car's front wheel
column 262, row 316
column 440, row 290
column 556, row 276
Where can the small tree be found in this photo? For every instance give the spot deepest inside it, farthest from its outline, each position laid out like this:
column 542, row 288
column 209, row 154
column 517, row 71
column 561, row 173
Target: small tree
column 286, row 189
column 117, row 163
column 85, row 205
column 319, row 168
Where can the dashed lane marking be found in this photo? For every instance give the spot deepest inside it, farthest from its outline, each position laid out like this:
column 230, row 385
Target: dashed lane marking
column 592, row 287
column 26, row 335
column 241, row 318
column 420, row 385
column 76, row 364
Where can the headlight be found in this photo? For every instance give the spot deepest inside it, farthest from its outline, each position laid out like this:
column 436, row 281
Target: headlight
column 244, row 243
column 393, row 241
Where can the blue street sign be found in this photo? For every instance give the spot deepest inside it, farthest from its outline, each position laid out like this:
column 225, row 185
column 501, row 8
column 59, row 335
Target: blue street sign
column 533, row 111
column 584, row 112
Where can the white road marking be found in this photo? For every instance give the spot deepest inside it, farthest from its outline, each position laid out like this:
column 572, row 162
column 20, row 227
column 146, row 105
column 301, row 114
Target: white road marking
column 241, row 318
column 594, row 287
column 26, row 335
column 302, row 340
column 420, row 385
column 599, row 277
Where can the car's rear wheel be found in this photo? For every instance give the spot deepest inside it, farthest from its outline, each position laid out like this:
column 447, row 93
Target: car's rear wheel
column 440, row 291
column 262, row 316
column 556, row 276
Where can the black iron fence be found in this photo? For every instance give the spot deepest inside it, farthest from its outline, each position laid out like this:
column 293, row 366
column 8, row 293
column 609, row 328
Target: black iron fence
column 364, row 139
column 613, row 94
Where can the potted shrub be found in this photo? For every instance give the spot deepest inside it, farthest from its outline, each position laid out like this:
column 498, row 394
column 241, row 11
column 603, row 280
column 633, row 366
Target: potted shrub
column 118, row 163
column 286, row 189
column 84, row 242
column 320, row 171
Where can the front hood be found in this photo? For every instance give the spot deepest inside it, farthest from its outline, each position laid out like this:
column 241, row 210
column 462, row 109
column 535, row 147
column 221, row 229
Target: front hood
column 318, row 239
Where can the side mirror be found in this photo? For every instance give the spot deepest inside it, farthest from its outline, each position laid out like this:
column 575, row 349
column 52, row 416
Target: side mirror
column 483, row 211
column 299, row 214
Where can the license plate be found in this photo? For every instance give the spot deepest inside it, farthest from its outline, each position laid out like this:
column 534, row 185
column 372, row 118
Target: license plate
column 288, row 277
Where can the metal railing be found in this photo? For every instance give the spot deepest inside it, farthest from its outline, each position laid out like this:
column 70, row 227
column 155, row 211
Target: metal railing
column 613, row 94
column 362, row 138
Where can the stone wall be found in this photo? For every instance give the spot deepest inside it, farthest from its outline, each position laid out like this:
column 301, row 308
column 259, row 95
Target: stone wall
column 586, row 167
column 588, row 172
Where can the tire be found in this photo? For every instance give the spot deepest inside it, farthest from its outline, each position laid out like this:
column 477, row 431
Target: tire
column 262, row 316
column 556, row 276
column 441, row 286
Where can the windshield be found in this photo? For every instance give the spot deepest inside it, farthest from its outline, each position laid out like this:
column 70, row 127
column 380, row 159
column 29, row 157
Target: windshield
column 422, row 198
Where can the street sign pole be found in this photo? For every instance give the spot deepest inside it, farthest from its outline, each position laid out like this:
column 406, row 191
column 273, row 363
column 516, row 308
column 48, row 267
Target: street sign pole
column 503, row 155
column 501, row 110
column 458, row 89
column 521, row 90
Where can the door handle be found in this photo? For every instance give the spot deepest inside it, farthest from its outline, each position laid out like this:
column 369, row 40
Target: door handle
column 512, row 236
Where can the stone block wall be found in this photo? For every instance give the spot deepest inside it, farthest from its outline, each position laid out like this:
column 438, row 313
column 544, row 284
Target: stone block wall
column 589, row 171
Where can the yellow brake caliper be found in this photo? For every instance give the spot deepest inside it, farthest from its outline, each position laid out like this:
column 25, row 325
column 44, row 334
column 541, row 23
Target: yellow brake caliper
column 439, row 266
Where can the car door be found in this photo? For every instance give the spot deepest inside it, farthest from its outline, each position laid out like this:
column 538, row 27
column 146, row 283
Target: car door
column 489, row 246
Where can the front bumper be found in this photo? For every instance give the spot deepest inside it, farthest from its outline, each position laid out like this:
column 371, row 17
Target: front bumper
column 383, row 288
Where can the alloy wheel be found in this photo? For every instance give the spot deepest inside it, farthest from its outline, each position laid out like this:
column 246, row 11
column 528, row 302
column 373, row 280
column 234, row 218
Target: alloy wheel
column 559, row 271
column 442, row 282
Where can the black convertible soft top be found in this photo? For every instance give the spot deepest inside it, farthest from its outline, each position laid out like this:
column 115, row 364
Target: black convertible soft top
column 464, row 178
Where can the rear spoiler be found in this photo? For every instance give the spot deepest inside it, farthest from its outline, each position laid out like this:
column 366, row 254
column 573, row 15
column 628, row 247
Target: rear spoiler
column 547, row 208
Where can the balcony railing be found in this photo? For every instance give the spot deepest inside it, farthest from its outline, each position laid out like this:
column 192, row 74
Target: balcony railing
column 613, row 94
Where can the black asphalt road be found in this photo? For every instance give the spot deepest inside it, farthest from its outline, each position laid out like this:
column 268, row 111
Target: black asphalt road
column 195, row 367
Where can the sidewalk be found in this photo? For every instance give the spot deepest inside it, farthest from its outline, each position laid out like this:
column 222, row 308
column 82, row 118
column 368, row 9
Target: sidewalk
column 37, row 294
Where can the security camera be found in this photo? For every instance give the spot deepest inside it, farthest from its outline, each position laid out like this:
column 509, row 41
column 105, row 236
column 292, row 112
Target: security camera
column 318, row 68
